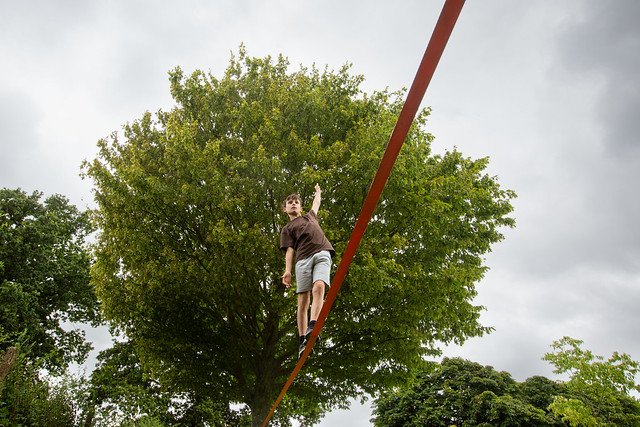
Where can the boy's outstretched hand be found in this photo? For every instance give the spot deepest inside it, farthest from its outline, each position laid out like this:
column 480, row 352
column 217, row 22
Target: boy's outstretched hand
column 286, row 279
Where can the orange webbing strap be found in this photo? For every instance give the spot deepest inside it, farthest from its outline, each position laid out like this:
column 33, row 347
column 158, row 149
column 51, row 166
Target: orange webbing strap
column 450, row 12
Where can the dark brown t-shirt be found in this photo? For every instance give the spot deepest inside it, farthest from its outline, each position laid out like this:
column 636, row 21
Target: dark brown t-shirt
column 305, row 236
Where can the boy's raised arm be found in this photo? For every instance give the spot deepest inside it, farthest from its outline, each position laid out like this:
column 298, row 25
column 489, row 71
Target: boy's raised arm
column 315, row 206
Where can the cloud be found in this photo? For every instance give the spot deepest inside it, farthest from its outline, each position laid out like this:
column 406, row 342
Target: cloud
column 596, row 49
column 548, row 105
column 41, row 28
column 549, row 91
column 601, row 42
column 19, row 139
column 560, row 90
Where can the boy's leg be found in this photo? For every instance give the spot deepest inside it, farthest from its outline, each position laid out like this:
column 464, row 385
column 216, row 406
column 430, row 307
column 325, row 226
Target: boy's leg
column 321, row 270
column 318, row 299
column 303, row 307
column 304, row 285
column 316, row 306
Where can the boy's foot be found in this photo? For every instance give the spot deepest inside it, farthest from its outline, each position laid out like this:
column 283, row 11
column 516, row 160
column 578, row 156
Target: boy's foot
column 308, row 334
column 303, row 345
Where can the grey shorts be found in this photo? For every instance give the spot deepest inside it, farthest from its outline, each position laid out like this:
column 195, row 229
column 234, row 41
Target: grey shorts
column 308, row 270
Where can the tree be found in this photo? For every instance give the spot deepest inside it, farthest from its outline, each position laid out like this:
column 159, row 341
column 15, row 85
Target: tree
column 601, row 389
column 187, row 259
column 540, row 391
column 44, row 277
column 122, row 393
column 458, row 392
column 28, row 400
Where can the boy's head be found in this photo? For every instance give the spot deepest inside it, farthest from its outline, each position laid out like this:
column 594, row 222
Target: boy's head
column 292, row 205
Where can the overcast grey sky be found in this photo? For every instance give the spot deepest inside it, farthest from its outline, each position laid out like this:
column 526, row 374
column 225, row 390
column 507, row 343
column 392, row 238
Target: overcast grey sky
column 549, row 90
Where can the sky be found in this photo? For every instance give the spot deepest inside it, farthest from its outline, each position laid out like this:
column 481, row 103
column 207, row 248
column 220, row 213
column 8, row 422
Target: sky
column 548, row 90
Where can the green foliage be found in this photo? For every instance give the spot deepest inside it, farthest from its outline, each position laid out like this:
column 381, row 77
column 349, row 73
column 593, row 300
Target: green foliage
column 188, row 265
column 44, row 277
column 457, row 392
column 462, row 393
column 121, row 393
column 28, row 400
column 601, row 389
column 574, row 412
column 506, row 411
column 540, row 391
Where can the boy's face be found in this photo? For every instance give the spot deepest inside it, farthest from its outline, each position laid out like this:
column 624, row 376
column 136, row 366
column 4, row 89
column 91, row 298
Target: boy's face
column 292, row 207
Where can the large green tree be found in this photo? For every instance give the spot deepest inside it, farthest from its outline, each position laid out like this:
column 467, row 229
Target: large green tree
column 188, row 265
column 461, row 393
column 44, row 277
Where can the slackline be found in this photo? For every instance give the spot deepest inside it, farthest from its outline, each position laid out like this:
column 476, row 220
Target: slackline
column 443, row 29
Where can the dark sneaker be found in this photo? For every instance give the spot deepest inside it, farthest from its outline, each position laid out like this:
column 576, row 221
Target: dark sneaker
column 303, row 345
column 308, row 334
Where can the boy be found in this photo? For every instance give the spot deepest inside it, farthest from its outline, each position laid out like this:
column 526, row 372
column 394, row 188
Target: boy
column 303, row 239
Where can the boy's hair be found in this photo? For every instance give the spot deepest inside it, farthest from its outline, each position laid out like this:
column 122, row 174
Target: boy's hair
column 294, row 196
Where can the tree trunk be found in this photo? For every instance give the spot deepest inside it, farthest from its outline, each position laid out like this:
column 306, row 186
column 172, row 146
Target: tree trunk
column 8, row 359
column 259, row 413
column 267, row 370
column 88, row 420
column 261, row 405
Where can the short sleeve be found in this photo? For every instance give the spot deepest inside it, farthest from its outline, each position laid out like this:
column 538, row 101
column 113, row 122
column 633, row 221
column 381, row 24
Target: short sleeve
column 286, row 239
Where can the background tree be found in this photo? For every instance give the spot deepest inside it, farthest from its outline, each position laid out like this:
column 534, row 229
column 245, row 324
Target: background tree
column 44, row 277
column 26, row 399
column 601, row 388
column 540, row 391
column 122, row 393
column 458, row 392
column 188, row 265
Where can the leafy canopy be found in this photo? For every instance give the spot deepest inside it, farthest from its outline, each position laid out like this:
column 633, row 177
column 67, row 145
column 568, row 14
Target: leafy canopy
column 121, row 393
column 28, row 400
column 458, row 392
column 601, row 389
column 187, row 259
column 44, row 277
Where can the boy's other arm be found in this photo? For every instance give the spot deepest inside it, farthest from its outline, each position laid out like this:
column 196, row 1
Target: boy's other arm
column 288, row 262
column 315, row 206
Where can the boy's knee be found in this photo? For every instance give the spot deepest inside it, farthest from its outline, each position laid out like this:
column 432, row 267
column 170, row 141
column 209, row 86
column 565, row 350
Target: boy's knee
column 303, row 297
column 318, row 286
